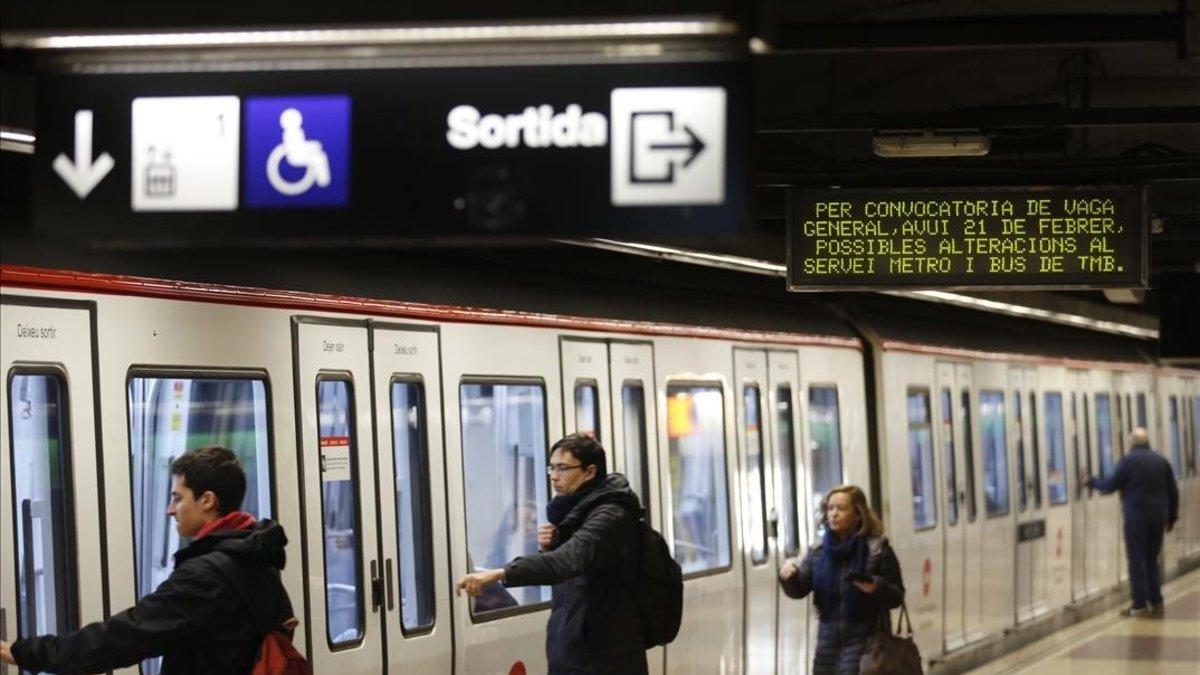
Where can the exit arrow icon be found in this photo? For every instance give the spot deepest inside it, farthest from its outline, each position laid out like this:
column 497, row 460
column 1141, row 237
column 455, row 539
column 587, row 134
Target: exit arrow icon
column 83, row 175
column 694, row 146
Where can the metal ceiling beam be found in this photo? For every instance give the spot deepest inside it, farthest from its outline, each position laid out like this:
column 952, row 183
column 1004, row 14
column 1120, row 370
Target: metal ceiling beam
column 994, row 118
column 990, row 32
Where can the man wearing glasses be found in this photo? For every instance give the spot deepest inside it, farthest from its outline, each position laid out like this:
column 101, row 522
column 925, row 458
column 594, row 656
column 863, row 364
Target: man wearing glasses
column 588, row 553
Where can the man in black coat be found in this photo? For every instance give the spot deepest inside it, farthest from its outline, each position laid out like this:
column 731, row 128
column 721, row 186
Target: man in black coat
column 589, row 554
column 1149, row 507
column 212, row 613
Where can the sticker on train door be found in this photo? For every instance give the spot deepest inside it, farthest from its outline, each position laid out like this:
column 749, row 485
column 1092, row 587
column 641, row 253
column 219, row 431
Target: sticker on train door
column 335, row 458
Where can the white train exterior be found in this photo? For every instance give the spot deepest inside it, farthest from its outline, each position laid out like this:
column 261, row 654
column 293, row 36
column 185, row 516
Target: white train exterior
column 401, row 445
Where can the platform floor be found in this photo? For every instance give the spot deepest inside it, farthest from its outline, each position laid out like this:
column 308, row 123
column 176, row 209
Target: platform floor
column 1109, row 644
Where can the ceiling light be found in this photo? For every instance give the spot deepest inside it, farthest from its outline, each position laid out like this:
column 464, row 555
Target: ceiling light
column 931, row 145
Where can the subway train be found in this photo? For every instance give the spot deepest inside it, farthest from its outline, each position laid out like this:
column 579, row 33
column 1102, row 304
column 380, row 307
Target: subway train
column 402, row 444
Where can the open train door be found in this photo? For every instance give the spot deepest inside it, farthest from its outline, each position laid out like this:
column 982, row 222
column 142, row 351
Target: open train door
column 53, row 569
column 783, row 379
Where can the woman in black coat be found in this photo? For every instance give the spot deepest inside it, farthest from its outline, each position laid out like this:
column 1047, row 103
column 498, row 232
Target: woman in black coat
column 854, row 578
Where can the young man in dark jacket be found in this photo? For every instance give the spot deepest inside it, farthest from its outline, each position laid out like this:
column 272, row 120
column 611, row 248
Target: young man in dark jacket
column 589, row 554
column 1149, row 507
column 212, row 613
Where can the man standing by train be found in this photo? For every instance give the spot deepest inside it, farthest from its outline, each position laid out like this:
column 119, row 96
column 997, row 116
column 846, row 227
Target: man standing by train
column 212, row 613
column 1149, row 507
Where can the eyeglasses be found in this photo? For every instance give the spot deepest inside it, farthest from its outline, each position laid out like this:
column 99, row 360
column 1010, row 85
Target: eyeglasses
column 552, row 469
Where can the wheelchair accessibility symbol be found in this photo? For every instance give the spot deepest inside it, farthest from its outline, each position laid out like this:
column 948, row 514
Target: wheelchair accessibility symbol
column 299, row 152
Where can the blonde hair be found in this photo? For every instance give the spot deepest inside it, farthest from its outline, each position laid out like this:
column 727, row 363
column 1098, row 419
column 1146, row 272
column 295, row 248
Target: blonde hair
column 868, row 522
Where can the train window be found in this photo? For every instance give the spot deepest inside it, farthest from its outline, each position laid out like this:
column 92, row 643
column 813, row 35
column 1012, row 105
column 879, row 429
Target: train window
column 1104, row 434
column 413, row 517
column 1141, row 410
column 1120, row 427
column 1128, row 417
column 699, row 492
column 825, row 443
column 1036, row 447
column 344, row 620
column 920, row 460
column 169, row 415
column 587, row 409
column 951, row 462
column 1087, row 435
column 1176, row 453
column 1195, row 434
column 47, row 590
column 755, row 474
column 1056, row 461
column 786, row 440
column 969, row 454
column 995, row 455
column 504, row 463
column 1022, row 476
column 637, row 462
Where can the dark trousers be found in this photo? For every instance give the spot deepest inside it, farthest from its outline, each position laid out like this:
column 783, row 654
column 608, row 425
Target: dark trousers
column 1143, row 543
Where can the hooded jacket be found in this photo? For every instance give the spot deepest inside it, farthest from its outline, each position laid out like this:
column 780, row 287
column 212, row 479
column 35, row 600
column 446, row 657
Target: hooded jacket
column 594, row 624
column 197, row 620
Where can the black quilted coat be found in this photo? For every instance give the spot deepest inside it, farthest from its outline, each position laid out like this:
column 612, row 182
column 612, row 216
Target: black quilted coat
column 594, row 625
column 195, row 619
column 840, row 641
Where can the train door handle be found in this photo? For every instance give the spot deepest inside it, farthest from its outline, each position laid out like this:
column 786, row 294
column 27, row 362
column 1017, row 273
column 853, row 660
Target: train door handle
column 391, row 598
column 376, row 587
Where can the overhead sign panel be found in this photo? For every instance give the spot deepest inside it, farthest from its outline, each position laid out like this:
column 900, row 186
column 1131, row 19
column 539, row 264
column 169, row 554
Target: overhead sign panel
column 1038, row 237
column 644, row 149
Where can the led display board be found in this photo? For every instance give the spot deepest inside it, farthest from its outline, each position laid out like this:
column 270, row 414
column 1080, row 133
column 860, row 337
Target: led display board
column 1031, row 237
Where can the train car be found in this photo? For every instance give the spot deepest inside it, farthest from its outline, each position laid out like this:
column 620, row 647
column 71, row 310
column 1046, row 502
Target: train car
column 403, row 444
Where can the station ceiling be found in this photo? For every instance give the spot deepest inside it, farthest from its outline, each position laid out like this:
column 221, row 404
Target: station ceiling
column 1069, row 92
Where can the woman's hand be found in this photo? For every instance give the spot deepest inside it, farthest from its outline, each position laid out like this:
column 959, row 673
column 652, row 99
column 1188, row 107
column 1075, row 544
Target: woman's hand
column 474, row 583
column 547, row 533
column 867, row 587
column 788, row 570
column 6, row 654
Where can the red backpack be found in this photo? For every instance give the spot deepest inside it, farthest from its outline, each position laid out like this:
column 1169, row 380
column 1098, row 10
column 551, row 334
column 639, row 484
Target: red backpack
column 277, row 655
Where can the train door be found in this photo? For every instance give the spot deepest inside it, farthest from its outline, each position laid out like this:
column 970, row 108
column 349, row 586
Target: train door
column 997, row 512
column 634, row 442
column 416, row 607
column 1173, row 450
column 970, row 512
column 1104, row 510
column 1031, row 515
column 1080, row 468
column 1192, row 514
column 1055, row 435
column 948, row 430
column 792, row 528
column 587, row 407
column 758, row 481
column 53, row 571
column 336, row 451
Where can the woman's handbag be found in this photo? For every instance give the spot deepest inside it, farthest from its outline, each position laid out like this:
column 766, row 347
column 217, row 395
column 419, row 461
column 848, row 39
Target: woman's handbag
column 891, row 654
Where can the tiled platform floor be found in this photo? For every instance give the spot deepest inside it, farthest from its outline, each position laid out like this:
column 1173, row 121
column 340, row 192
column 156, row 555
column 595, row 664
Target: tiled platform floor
column 1109, row 644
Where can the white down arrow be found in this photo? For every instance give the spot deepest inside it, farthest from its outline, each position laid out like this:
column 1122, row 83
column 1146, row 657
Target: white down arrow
column 83, row 175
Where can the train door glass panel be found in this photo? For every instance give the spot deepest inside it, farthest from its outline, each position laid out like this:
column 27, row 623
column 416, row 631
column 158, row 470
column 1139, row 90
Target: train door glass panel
column 47, row 586
column 587, row 409
column 504, row 465
column 1079, row 460
column 951, row 466
column 995, row 455
column 633, row 421
column 786, row 439
column 1022, row 474
column 1104, row 434
column 414, row 518
column 1036, row 447
column 340, row 512
column 1176, row 453
column 1195, row 433
column 699, row 492
column 1141, row 410
column 1087, row 436
column 1056, row 461
column 920, row 458
column 755, row 475
column 1128, row 415
column 969, row 455
column 824, row 432
column 1119, row 427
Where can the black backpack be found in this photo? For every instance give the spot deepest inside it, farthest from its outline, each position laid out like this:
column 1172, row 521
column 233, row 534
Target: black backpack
column 658, row 589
